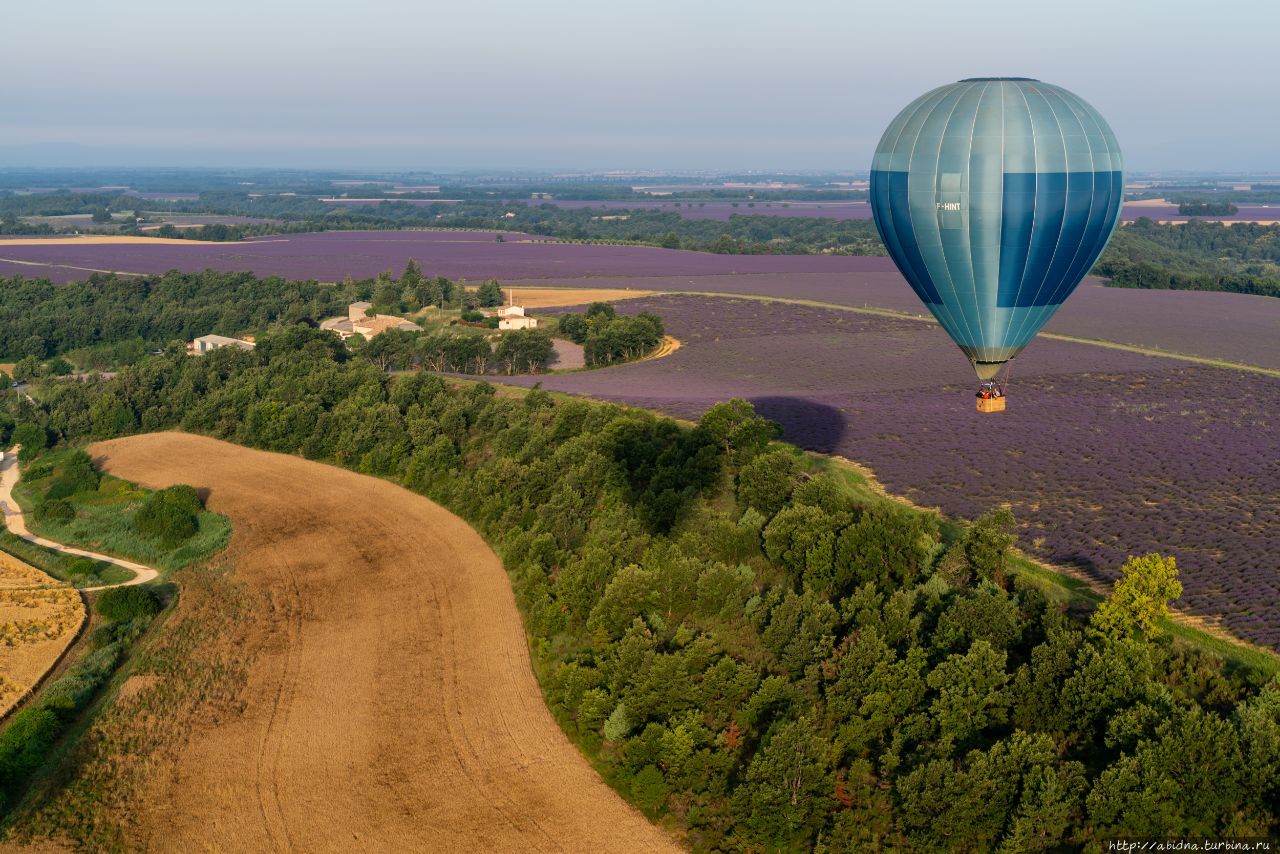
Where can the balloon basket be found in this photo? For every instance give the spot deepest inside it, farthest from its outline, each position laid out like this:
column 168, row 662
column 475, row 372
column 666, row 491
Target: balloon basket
column 991, row 404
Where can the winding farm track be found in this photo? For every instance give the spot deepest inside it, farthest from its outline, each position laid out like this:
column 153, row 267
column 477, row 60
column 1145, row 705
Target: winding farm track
column 391, row 704
column 17, row 524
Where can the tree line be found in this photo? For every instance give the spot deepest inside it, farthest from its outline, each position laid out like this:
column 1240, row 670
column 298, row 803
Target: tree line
column 1242, row 257
column 746, row 645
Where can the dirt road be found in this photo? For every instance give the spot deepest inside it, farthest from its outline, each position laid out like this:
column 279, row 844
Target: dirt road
column 16, row 523
column 390, row 705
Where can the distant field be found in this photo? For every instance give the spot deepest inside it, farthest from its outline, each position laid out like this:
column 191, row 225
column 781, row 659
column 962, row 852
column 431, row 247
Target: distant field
column 1231, row 327
column 39, row 618
column 92, row 240
column 722, row 210
column 330, row 256
column 843, row 210
column 1102, row 453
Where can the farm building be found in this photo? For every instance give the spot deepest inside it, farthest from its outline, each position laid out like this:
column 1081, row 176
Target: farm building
column 357, row 322
column 513, row 317
column 209, row 343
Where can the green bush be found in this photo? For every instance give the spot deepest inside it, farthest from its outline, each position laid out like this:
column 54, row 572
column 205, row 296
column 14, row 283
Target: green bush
column 122, row 604
column 55, row 510
column 32, row 438
column 78, row 475
column 170, row 515
column 23, row 746
column 81, row 566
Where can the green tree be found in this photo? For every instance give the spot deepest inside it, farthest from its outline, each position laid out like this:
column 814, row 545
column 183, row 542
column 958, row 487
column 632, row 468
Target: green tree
column 524, row 350
column 789, row 786
column 489, row 293
column 738, row 430
column 987, row 544
column 971, row 695
column 32, row 437
column 766, row 481
column 887, row 546
column 1139, row 599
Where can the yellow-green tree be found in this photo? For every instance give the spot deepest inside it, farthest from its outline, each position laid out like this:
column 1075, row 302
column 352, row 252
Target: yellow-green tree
column 1147, row 584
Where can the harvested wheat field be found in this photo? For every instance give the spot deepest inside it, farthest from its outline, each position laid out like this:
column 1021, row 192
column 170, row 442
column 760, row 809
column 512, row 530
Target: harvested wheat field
column 94, row 240
column 389, row 703
column 554, row 297
column 39, row 618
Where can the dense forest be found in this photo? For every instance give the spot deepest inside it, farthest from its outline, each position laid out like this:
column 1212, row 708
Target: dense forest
column 749, row 646
column 40, row 319
column 1209, row 256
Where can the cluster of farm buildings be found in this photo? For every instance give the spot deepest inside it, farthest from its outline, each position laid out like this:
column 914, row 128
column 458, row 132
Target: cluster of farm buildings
column 361, row 321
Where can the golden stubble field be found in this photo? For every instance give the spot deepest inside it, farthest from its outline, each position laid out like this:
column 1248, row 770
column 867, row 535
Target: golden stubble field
column 388, row 701
column 39, row 618
column 554, row 297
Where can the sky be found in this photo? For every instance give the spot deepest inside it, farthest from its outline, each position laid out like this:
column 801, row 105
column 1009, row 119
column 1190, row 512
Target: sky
column 603, row 84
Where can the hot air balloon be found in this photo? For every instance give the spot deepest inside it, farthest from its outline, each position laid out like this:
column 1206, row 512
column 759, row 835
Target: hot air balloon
column 995, row 196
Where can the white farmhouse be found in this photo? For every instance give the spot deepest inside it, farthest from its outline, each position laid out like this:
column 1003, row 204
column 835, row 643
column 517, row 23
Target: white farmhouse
column 209, row 343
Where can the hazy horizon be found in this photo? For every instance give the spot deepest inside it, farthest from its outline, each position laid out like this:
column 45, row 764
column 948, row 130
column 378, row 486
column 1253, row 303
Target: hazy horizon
column 723, row 86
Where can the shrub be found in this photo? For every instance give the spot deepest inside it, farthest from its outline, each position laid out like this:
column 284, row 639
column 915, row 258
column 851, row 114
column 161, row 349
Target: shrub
column 78, row 475
column 170, row 515
column 81, row 566
column 122, row 604
column 23, row 745
column 32, row 438
column 55, row 510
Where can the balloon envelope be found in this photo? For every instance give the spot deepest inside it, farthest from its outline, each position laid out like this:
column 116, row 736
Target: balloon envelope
column 995, row 196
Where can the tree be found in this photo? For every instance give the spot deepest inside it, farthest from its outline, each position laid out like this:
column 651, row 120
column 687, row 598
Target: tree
column 412, row 276
column 489, row 293
column 169, row 516
column 971, row 693
column 27, row 368
column 1186, row 781
column 574, row 327
column 738, row 430
column 1141, row 597
column 101, row 215
column 524, row 350
column 32, row 437
column 765, row 482
column 790, row 785
column 987, row 544
column 887, row 546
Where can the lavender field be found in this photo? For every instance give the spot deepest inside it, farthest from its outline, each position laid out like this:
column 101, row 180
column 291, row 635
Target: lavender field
column 1247, row 213
column 330, row 256
column 1233, row 327
column 1102, row 454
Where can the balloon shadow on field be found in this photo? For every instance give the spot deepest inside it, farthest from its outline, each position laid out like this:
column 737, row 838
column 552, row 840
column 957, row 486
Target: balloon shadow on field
column 812, row 425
